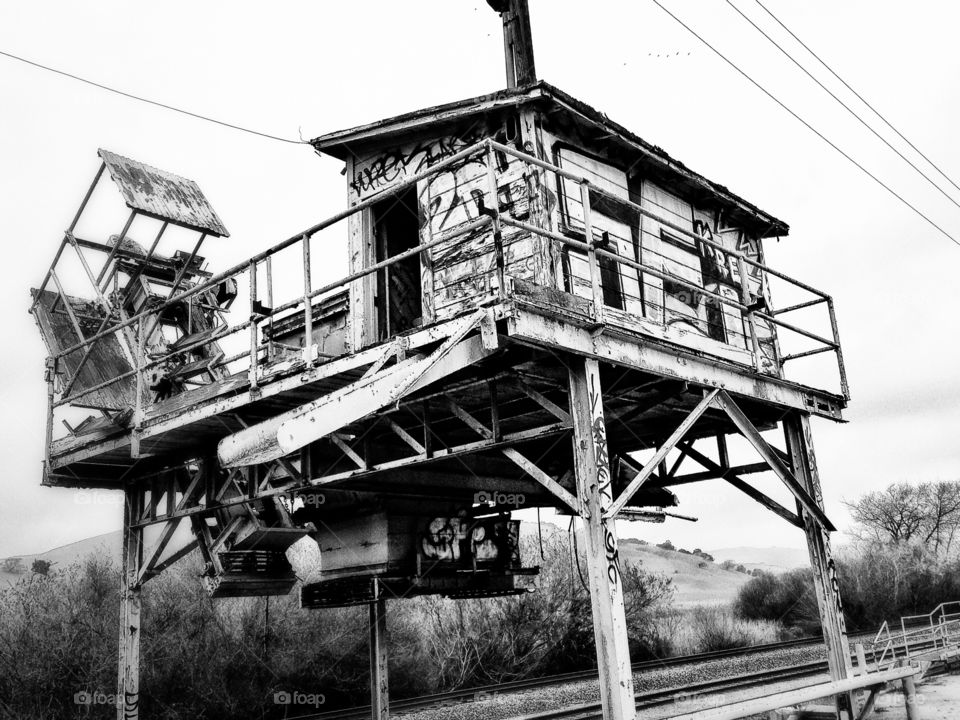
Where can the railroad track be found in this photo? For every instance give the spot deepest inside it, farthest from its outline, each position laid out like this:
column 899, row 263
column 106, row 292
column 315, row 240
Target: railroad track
column 591, row 710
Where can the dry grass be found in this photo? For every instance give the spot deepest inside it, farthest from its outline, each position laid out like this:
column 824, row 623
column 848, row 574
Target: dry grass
column 706, row 628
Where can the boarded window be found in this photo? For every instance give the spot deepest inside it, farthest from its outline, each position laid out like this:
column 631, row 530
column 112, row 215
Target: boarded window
column 615, row 227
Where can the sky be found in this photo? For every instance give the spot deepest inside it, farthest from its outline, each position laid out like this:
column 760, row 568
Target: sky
column 297, row 69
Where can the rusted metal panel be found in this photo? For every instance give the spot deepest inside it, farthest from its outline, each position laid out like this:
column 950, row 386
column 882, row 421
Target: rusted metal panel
column 106, row 361
column 162, row 194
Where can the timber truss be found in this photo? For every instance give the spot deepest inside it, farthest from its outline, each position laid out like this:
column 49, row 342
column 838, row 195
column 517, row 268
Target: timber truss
column 507, row 429
column 557, row 429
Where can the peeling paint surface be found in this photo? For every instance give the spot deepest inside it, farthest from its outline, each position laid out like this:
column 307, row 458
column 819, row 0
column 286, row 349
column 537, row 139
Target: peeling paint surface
column 162, row 194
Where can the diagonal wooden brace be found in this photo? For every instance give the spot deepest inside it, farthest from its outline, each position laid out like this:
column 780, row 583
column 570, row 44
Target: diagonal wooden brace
column 727, row 474
column 515, row 456
column 661, row 454
column 772, row 458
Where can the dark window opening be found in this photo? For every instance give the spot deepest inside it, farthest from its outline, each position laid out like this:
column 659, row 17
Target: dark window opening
column 610, row 284
column 399, row 299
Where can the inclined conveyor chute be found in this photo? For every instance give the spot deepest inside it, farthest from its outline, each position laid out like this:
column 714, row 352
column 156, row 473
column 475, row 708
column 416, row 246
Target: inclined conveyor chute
column 297, row 428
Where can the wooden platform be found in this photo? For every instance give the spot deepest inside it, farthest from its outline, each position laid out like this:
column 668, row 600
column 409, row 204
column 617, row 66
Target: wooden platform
column 652, row 375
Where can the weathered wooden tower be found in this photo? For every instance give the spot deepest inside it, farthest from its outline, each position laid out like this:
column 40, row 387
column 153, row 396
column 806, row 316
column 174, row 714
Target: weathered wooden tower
column 539, row 304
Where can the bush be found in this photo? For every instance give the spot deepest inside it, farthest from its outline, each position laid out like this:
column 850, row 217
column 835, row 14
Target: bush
column 877, row 583
column 704, row 629
column 787, row 599
column 213, row 659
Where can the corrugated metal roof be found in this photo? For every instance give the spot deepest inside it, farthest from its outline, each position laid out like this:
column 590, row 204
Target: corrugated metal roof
column 162, row 194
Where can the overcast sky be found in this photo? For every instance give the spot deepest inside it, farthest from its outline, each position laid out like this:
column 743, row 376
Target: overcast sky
column 295, row 69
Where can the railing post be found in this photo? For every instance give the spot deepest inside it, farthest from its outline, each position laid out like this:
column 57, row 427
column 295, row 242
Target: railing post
column 844, row 387
column 307, row 304
column 595, row 284
column 269, row 263
column 50, row 376
column 747, row 315
column 494, row 209
column 138, row 401
column 252, row 372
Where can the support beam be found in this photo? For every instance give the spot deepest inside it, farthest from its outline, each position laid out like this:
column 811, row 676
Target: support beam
column 744, row 487
column 661, row 454
column 772, row 457
column 379, row 680
column 693, row 477
column 292, row 430
column 518, row 458
column 128, row 673
column 800, row 446
column 594, row 483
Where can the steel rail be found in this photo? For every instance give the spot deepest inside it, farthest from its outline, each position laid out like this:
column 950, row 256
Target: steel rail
column 650, row 697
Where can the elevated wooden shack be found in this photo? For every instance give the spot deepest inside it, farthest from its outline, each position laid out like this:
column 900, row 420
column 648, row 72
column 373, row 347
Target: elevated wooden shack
column 536, row 299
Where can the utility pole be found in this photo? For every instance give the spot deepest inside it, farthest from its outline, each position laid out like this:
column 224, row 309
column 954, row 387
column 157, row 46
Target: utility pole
column 517, row 41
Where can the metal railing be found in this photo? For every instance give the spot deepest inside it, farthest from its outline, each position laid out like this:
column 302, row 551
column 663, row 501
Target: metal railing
column 939, row 627
column 490, row 214
column 939, row 624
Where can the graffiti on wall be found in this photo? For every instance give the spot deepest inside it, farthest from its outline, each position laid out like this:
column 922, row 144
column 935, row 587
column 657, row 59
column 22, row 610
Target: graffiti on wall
column 376, row 173
column 464, row 541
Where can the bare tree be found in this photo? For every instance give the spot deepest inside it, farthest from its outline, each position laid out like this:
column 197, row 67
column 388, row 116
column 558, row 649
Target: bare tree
column 902, row 513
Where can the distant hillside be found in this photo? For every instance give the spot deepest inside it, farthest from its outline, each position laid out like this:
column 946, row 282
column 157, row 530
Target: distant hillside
column 107, row 545
column 694, row 585
column 771, row 559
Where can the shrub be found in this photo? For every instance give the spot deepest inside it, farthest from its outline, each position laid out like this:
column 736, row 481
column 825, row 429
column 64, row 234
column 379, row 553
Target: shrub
column 787, row 598
column 704, row 629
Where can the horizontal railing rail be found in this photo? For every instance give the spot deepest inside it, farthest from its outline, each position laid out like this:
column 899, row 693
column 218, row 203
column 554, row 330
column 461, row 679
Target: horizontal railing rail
column 492, row 215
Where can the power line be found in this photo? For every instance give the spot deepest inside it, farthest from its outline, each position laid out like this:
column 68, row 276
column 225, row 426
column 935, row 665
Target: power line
column 806, row 124
column 148, row 101
column 842, row 103
column 859, row 96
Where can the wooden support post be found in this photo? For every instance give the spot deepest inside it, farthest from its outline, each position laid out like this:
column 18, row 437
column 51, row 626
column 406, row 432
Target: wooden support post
column 800, row 447
column 517, row 41
column 910, row 698
column 862, row 667
column 596, row 287
column 128, row 674
column 594, row 488
column 379, row 685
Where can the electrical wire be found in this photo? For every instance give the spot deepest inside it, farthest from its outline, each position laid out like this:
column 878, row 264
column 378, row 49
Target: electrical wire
column 842, row 103
column 150, row 102
column 807, row 125
column 859, row 96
